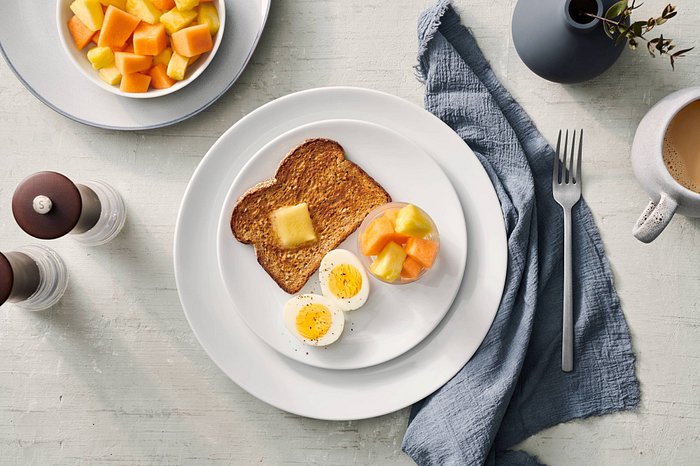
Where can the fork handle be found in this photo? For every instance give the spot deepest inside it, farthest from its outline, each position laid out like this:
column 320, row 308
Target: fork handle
column 567, row 339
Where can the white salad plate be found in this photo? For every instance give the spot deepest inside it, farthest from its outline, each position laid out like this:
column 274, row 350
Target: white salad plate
column 395, row 318
column 30, row 43
column 300, row 388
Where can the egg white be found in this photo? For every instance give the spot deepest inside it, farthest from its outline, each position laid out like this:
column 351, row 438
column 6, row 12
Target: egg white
column 297, row 303
column 333, row 259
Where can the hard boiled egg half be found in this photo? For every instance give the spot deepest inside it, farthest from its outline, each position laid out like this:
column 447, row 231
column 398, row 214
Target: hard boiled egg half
column 313, row 319
column 343, row 279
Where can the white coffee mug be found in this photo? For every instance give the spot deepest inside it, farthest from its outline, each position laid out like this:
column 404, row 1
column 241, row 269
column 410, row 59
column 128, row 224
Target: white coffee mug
column 667, row 195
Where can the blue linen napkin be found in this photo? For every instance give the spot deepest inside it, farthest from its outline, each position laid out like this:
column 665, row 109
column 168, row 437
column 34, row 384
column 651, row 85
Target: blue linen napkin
column 513, row 387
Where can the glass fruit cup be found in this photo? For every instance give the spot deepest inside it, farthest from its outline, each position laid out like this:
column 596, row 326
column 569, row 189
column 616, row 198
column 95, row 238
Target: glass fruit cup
column 414, row 251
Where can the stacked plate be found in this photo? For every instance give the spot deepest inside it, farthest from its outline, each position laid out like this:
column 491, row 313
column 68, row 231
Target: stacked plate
column 407, row 340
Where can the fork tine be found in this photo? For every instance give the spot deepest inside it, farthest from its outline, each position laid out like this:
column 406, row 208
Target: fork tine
column 580, row 154
column 555, row 175
column 564, row 175
column 570, row 168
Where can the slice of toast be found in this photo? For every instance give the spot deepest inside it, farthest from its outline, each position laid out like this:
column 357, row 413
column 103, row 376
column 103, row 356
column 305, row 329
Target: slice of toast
column 339, row 195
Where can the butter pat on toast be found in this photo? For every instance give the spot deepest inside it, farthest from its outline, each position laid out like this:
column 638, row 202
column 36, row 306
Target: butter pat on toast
column 339, row 195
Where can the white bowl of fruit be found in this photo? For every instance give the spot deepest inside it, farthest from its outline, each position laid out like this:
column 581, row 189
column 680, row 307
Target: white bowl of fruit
column 141, row 48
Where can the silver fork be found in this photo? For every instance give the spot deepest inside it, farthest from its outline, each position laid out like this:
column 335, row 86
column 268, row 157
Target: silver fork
column 566, row 186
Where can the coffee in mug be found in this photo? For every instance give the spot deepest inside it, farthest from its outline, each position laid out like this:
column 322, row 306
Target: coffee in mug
column 666, row 161
column 681, row 149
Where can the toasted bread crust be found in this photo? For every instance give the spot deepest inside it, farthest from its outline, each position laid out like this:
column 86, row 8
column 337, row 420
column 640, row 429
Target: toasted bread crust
column 339, row 195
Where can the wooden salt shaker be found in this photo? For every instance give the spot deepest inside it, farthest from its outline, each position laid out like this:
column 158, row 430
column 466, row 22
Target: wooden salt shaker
column 48, row 205
column 33, row 277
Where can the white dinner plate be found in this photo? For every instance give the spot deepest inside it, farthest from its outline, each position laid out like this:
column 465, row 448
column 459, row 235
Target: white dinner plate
column 395, row 318
column 31, row 46
column 299, row 388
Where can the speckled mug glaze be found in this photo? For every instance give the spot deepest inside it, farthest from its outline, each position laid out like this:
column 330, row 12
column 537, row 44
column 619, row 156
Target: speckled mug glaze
column 668, row 197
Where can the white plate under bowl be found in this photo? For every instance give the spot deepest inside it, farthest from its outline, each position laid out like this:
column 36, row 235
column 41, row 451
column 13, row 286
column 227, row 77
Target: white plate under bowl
column 311, row 391
column 395, row 318
column 80, row 61
column 30, row 44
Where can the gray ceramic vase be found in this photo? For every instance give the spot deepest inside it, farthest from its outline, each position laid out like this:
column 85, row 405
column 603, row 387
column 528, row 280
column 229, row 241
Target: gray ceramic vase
column 559, row 43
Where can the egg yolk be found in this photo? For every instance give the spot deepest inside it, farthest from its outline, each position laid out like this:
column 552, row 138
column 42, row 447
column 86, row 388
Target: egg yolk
column 313, row 321
column 344, row 281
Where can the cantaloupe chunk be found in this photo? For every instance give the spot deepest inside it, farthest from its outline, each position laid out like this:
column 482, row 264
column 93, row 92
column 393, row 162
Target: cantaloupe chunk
column 193, row 59
column 186, row 4
column 117, row 27
column 135, row 82
column 90, row 13
column 100, row 57
column 208, row 15
column 129, row 63
column 121, row 4
column 163, row 57
column 411, row 268
column 160, row 78
column 144, row 9
column 424, row 251
column 174, row 20
column 110, row 75
column 149, row 39
column 191, row 41
column 128, row 47
column 163, row 5
column 378, row 233
column 80, row 33
column 177, row 67
column 391, row 214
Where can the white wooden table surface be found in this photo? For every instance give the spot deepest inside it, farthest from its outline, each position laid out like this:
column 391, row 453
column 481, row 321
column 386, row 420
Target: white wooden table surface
column 113, row 374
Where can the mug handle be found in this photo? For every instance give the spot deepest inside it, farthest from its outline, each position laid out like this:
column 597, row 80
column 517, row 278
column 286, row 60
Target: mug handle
column 654, row 219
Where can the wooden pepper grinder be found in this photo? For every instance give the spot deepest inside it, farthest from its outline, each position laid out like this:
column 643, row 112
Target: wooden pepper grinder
column 33, row 277
column 48, row 205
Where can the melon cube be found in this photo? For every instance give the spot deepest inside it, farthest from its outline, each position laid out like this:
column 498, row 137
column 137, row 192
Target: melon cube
column 191, row 41
column 80, row 33
column 150, row 39
column 121, row 4
column 163, row 57
column 186, row 4
column 177, row 67
column 412, row 222
column 293, row 226
column 101, row 57
column 164, row 5
column 128, row 63
column 209, row 16
column 174, row 20
column 389, row 262
column 193, row 59
column 117, row 28
column 110, row 75
column 89, row 12
column 144, row 10
column 135, row 82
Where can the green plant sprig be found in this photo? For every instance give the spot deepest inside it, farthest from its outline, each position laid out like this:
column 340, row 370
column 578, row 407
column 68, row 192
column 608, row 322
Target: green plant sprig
column 616, row 22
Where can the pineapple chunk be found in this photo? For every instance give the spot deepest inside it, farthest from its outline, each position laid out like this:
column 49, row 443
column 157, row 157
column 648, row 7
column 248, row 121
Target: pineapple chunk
column 412, row 222
column 163, row 57
column 121, row 4
column 89, row 12
column 177, row 67
column 209, row 16
column 174, row 20
column 144, row 10
column 101, row 57
column 186, row 4
column 389, row 262
column 111, row 75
